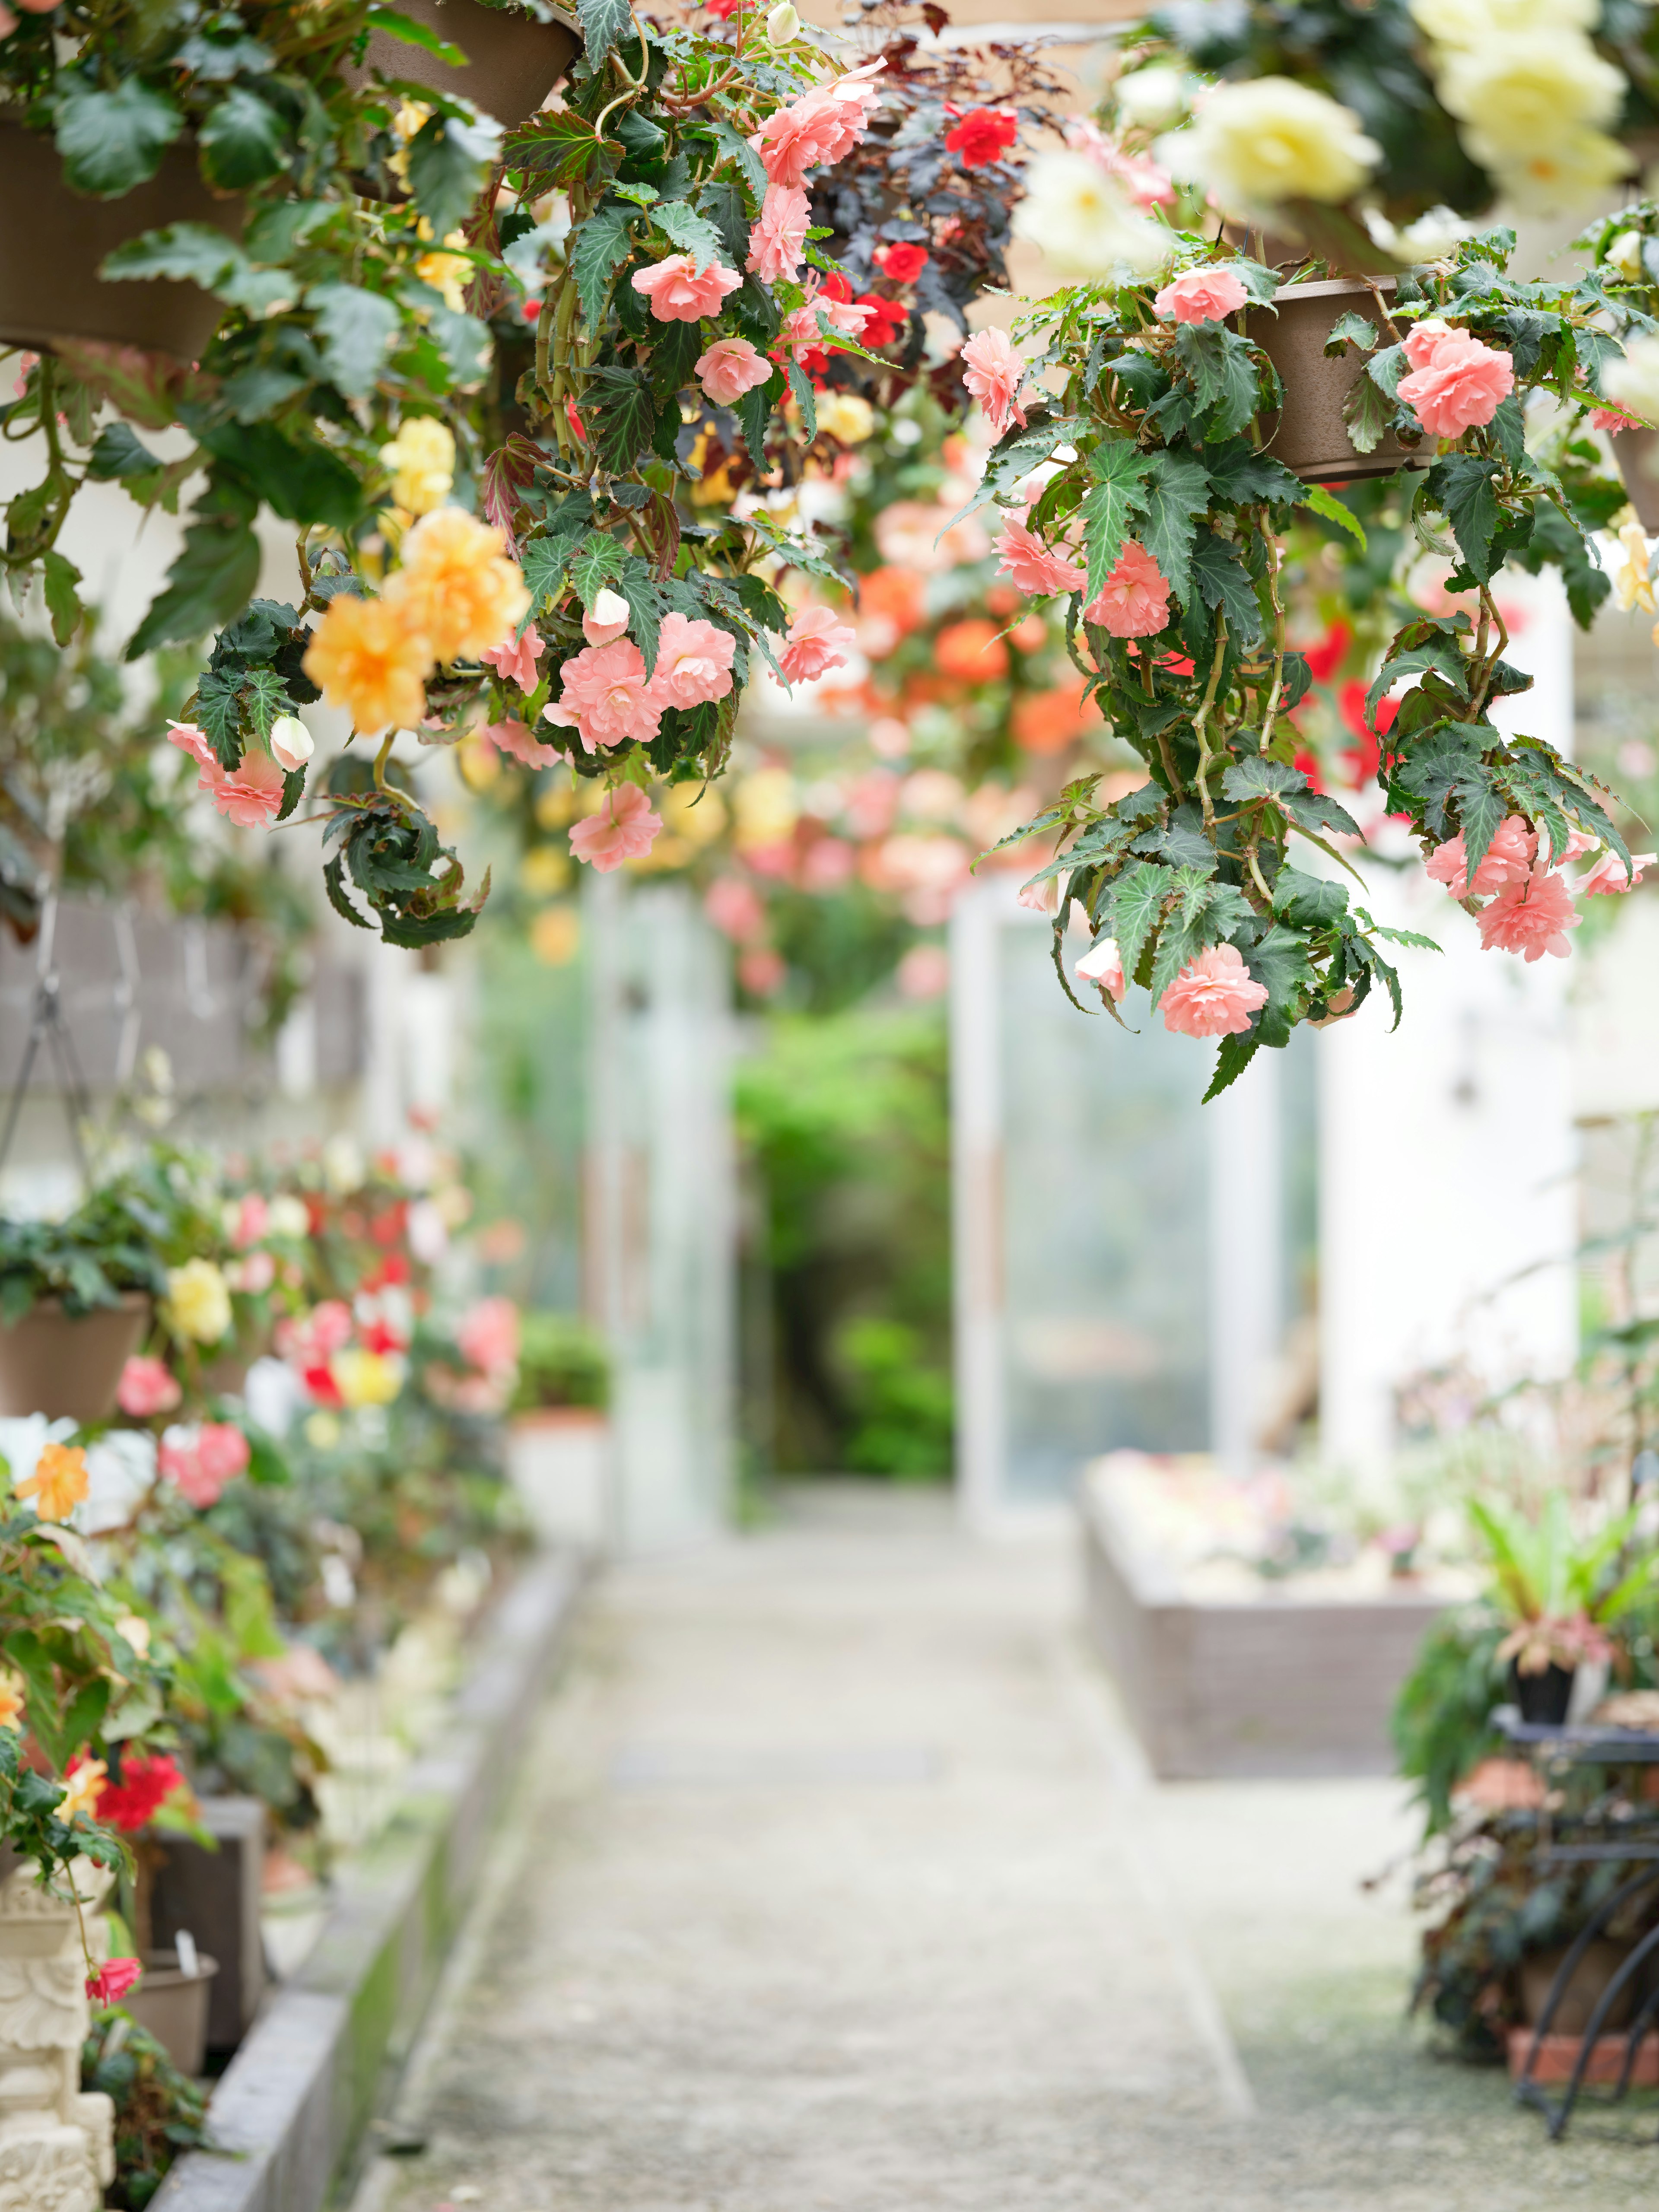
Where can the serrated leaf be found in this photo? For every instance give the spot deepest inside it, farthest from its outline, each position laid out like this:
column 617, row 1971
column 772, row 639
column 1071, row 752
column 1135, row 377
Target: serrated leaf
column 117, row 452
column 1307, row 901
column 1352, row 328
column 1462, row 485
column 557, row 144
column 243, row 139
column 1439, row 652
column 1242, row 476
column 1177, row 492
column 1364, row 416
column 754, row 411
column 1224, row 374
column 1222, row 581
column 596, row 564
column 356, row 330
column 603, row 22
column 691, row 232
column 733, row 142
column 1115, row 493
column 601, row 243
column 1325, row 503
column 1313, row 811
column 1137, row 904
column 1259, row 778
column 448, row 167
column 1448, row 773
column 542, row 562
column 805, row 399
column 215, row 574
column 111, row 140
column 726, row 208
column 1237, row 1049
column 621, row 418
column 63, row 600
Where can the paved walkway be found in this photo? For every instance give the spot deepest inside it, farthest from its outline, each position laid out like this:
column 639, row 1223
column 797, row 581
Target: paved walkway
column 834, row 1887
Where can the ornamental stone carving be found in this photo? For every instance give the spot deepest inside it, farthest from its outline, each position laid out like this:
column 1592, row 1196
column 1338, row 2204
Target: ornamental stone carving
column 56, row 2144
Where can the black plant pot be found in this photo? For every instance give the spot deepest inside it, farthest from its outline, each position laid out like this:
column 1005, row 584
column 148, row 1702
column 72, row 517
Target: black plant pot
column 1543, row 1698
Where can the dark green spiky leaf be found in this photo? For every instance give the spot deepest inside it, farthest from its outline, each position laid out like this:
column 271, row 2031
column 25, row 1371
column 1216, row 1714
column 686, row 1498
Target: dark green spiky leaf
column 1352, row 328
column 243, row 138
column 1116, row 492
column 1364, row 416
column 1236, row 1051
column 1305, row 901
column 1463, row 486
column 1439, row 650
column 119, row 452
column 111, row 140
column 1456, row 787
column 1242, row 476
column 733, row 144
column 218, row 713
column 356, row 330
column 754, row 411
column 691, row 232
column 215, row 574
column 596, row 564
column 1018, row 455
column 1224, row 582
column 63, row 600
column 620, row 415
column 600, row 244
column 801, row 386
column 603, row 22
column 723, row 204
column 1279, row 958
column 301, row 480
column 542, row 562
column 1177, row 492
column 1137, row 903
column 1223, row 370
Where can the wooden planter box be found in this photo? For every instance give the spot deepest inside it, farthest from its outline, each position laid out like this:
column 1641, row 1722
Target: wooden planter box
column 1285, row 1686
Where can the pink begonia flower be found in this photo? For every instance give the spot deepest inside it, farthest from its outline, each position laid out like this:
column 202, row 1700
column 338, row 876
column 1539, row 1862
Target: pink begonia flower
column 1608, row 874
column 802, row 329
column 778, row 239
column 515, row 659
column 992, row 373
column 1459, row 387
column 622, row 830
column 251, row 1221
column 514, row 739
column 729, row 368
column 823, row 125
column 1422, row 339
column 1031, row 566
column 1612, row 420
column 607, row 618
column 487, row 1336
column 1135, row 600
column 189, row 740
column 606, row 696
column 1214, row 995
column 1507, row 859
column 248, row 794
column 255, row 1272
column 681, row 291
column 1043, row 894
column 1102, row 965
column 117, row 1978
column 323, row 1331
column 200, row 1461
column 1145, row 180
column 1531, row 917
column 816, row 642
column 736, row 910
column 146, row 1388
column 693, row 661
column 1207, row 294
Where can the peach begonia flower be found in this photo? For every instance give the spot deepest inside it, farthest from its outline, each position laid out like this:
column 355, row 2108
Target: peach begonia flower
column 729, row 368
column 778, row 239
column 736, row 910
column 516, row 659
column 1608, row 874
column 1043, row 894
column 681, row 290
column 513, row 738
column 607, row 618
column 817, row 642
column 1612, row 420
column 693, row 661
column 11, row 1701
column 1135, row 600
column 624, row 829
column 146, row 1388
column 59, row 1482
column 1459, row 387
column 605, row 695
column 189, row 740
column 1102, row 966
column 84, row 1784
column 1031, row 566
column 251, row 794
column 1507, row 859
column 821, row 126
column 464, row 592
column 1207, row 294
column 1214, row 995
column 1531, row 917
column 992, row 371
column 1420, row 340
column 370, row 657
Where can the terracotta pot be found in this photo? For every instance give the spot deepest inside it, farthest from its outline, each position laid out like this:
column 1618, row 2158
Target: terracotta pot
column 1309, row 434
column 1590, row 1977
column 1637, row 455
column 50, row 288
column 174, row 2005
column 513, row 62
column 1557, row 2055
column 67, row 1365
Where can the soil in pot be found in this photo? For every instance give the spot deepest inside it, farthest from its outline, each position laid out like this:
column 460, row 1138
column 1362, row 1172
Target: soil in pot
column 1590, row 1977
column 1309, row 434
column 513, row 62
column 174, row 2005
column 1543, row 1698
column 1637, row 455
column 67, row 1365
column 50, row 288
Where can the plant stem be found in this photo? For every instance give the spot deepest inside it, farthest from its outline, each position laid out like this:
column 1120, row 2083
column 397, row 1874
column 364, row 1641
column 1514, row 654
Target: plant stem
column 1203, row 716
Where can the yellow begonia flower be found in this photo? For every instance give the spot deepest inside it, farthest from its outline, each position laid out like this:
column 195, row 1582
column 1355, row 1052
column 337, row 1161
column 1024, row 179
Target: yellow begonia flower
column 422, row 458
column 83, row 1790
column 460, row 587
column 11, row 1701
column 848, row 417
column 1631, row 580
column 59, row 1482
column 367, row 1378
column 370, row 657
column 448, row 273
column 198, row 1304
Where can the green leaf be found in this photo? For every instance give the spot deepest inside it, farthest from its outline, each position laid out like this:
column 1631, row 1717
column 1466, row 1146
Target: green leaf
column 1439, row 652
column 731, row 142
column 621, row 419
column 1461, row 486
column 1448, row 773
column 601, row 243
column 1279, row 959
column 754, row 411
column 1224, row 581
column 542, row 561
column 1188, row 928
column 192, row 253
column 111, row 140
column 603, row 22
column 1018, row 455
column 691, row 232
column 1137, row 905
column 724, row 204
column 1364, row 416
column 218, row 714
column 119, row 452
column 805, row 398
column 244, row 140
column 1239, row 475
column 1238, row 1048
column 397, row 25
column 1224, row 374
column 1325, row 503
column 214, row 576
column 302, row 482
column 448, row 167
column 463, row 343
column 1307, row 901
column 1115, row 493
column 1352, row 328
column 1177, row 493
column 597, row 562
column 356, row 330
column 557, row 144
column 62, row 601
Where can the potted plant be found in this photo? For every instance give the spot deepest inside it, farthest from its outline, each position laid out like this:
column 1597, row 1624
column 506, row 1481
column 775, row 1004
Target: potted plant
column 1562, row 1594
column 505, row 59
column 558, row 1451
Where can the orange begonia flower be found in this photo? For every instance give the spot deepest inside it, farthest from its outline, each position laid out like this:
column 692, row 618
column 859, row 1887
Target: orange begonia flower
column 59, row 1482
column 370, row 657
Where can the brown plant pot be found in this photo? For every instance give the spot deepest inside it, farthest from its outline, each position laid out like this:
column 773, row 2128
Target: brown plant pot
column 174, row 2005
column 54, row 243
column 67, row 1365
column 1557, row 2056
column 513, row 62
column 1638, row 454
column 1309, row 434
column 1590, row 1977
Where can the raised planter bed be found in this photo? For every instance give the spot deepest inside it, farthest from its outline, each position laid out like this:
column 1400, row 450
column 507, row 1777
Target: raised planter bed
column 295, row 2104
column 1287, row 1679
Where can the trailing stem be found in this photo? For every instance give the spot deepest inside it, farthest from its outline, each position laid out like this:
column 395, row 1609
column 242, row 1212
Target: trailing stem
column 1204, row 756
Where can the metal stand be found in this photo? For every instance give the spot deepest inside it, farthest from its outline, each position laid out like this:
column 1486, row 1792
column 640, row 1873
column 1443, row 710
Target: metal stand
column 47, row 1026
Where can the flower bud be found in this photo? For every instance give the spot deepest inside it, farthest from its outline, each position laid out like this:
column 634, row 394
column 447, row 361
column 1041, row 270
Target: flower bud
column 607, row 618
column 291, row 744
column 782, row 24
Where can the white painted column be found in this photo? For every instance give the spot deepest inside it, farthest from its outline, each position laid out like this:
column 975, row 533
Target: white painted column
column 977, row 1201
column 1243, row 1127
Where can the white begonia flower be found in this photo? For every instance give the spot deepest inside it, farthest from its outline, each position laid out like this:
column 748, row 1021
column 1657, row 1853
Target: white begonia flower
column 1467, row 22
column 1567, row 177
column 1633, row 382
column 1084, row 222
column 1524, row 93
column 782, row 24
column 1433, row 235
column 1624, row 254
column 1256, row 144
column 288, row 1216
column 1151, row 99
column 291, row 744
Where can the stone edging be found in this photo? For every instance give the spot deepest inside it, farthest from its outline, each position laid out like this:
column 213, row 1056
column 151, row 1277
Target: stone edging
column 323, row 2059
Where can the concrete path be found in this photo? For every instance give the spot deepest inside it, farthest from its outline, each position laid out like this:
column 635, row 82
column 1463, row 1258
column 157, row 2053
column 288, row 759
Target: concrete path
column 834, row 1887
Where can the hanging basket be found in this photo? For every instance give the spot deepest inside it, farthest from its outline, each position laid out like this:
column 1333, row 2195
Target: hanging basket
column 52, row 243
column 1638, row 454
column 513, row 62
column 67, row 1365
column 1309, row 434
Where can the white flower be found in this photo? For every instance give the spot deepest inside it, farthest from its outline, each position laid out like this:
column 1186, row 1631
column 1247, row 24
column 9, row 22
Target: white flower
column 291, row 744
column 1566, row 177
column 1624, row 254
column 1465, row 23
column 1083, row 222
column 1633, row 382
column 1150, row 98
column 782, row 24
column 1431, row 238
column 1524, row 92
column 288, row 1216
column 1255, row 144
